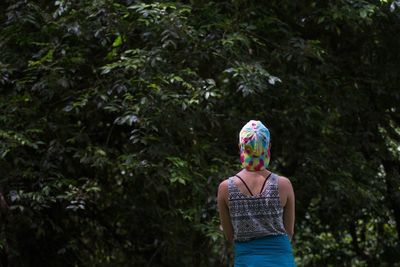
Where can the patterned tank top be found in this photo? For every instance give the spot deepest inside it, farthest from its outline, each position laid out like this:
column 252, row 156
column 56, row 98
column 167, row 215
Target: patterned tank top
column 257, row 215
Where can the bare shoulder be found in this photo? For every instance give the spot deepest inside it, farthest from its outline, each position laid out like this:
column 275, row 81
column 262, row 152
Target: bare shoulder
column 223, row 187
column 223, row 191
column 284, row 183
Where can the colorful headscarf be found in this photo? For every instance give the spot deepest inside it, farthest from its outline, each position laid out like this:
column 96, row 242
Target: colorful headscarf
column 254, row 144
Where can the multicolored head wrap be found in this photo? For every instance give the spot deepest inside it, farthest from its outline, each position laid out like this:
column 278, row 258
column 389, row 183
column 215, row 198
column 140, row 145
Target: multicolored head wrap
column 254, row 144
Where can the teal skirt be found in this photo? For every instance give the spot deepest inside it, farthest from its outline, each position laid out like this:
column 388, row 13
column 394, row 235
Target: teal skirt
column 268, row 251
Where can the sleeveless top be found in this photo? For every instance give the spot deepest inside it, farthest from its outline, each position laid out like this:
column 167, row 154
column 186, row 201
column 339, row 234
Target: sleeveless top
column 257, row 215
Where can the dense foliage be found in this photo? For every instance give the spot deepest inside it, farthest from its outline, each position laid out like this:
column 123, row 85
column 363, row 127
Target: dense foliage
column 120, row 118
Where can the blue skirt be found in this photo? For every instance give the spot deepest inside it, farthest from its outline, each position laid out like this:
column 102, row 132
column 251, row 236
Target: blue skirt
column 268, row 251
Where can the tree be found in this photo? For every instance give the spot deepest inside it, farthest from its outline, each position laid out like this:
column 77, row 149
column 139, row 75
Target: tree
column 119, row 119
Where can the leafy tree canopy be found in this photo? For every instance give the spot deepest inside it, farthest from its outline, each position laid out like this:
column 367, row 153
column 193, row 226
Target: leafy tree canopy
column 120, row 118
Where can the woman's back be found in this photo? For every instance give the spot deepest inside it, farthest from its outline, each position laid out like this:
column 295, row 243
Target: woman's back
column 255, row 215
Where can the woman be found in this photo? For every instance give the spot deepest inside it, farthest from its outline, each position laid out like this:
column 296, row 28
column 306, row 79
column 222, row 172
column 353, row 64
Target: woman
column 256, row 206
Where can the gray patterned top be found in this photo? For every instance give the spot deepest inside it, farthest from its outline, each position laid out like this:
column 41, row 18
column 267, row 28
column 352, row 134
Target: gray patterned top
column 256, row 216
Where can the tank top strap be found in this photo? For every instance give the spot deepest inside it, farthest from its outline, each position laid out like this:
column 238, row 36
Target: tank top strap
column 274, row 179
column 248, row 189
column 265, row 182
column 231, row 186
column 233, row 191
column 272, row 188
column 270, row 184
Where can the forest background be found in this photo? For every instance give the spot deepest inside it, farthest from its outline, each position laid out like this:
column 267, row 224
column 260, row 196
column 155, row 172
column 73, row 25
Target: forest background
column 120, row 118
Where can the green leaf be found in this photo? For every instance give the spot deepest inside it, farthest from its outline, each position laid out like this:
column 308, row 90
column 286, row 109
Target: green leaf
column 117, row 42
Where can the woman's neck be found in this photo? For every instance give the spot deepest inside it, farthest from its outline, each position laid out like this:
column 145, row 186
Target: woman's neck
column 254, row 173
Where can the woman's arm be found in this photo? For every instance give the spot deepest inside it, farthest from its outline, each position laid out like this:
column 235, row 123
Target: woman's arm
column 223, row 210
column 289, row 207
